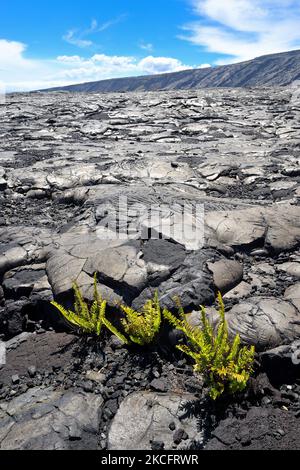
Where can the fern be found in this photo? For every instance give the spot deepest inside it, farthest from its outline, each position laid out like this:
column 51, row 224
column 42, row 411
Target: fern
column 89, row 319
column 225, row 366
column 143, row 327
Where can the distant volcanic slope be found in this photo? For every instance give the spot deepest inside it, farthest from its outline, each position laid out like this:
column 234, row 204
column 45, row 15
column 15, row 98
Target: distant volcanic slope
column 275, row 69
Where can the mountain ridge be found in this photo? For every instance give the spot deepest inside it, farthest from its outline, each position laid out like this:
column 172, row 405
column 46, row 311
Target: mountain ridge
column 270, row 70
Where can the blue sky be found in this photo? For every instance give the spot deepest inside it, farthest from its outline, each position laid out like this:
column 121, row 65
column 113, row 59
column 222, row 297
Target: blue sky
column 61, row 42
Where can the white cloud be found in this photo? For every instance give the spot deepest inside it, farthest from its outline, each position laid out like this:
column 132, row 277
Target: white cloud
column 69, row 59
column 146, row 46
column 102, row 27
column 101, row 66
column 244, row 29
column 153, row 65
column 19, row 73
column 11, row 54
column 71, row 38
column 204, row 66
column 76, row 37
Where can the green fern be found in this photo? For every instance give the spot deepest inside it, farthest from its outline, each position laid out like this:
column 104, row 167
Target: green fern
column 225, row 366
column 89, row 319
column 143, row 327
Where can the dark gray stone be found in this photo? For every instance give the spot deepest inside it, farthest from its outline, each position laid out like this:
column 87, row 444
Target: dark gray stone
column 256, row 431
column 45, row 419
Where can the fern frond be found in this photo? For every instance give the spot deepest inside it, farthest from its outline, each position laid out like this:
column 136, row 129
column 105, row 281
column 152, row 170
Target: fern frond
column 156, row 313
column 179, row 308
column 207, row 327
column 225, row 366
column 61, row 309
column 221, row 306
column 143, row 327
column 172, row 319
column 88, row 319
column 115, row 331
column 81, row 307
column 80, row 322
column 234, row 348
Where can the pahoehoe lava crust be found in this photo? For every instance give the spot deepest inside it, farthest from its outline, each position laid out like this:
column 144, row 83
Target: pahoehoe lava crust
column 66, row 161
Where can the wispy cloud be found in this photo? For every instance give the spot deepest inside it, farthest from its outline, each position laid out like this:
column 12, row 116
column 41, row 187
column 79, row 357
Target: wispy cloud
column 107, row 24
column 146, row 46
column 78, row 37
column 244, row 29
column 72, row 38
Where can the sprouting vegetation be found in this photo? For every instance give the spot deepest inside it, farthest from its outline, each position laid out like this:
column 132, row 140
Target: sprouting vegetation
column 225, row 366
column 89, row 319
column 143, row 327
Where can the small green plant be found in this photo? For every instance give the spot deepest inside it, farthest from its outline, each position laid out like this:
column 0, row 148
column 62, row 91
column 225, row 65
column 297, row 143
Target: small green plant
column 225, row 366
column 89, row 319
column 143, row 327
